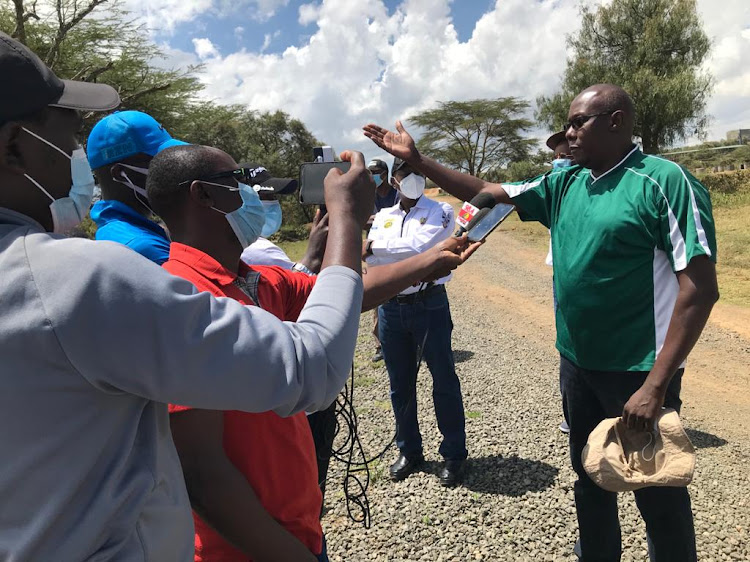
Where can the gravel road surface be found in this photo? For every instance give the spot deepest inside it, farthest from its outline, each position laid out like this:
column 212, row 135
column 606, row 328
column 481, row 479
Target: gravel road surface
column 516, row 502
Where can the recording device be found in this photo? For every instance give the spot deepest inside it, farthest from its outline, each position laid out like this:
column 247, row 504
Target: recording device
column 471, row 209
column 311, row 176
column 489, row 221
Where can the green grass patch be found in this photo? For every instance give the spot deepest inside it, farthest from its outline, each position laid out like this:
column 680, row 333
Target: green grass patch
column 383, row 404
column 473, row 414
column 295, row 250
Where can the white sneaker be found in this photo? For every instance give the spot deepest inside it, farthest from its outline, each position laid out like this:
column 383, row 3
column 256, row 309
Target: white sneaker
column 564, row 427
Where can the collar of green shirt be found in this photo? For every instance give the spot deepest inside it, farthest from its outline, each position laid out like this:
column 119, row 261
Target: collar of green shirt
column 613, row 168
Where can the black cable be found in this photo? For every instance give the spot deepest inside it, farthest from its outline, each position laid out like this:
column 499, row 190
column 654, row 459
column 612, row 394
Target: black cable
column 355, row 488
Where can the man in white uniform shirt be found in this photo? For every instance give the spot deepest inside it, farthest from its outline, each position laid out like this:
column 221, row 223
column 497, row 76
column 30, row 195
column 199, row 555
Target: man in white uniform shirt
column 417, row 323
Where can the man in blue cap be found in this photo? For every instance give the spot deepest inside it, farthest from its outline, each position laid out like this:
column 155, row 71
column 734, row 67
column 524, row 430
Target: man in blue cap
column 120, row 149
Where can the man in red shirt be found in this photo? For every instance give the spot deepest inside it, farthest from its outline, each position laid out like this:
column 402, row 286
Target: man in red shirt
column 252, row 478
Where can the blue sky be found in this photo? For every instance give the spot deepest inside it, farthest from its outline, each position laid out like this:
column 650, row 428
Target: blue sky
column 339, row 64
column 284, row 30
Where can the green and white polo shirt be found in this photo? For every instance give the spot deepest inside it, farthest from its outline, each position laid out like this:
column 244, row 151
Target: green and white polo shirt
column 617, row 242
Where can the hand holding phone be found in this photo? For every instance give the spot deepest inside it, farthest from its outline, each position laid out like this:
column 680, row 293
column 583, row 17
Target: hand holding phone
column 351, row 193
column 490, row 222
column 311, row 178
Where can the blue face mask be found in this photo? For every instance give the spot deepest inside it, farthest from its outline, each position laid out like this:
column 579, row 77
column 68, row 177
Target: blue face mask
column 378, row 179
column 247, row 221
column 273, row 218
column 561, row 163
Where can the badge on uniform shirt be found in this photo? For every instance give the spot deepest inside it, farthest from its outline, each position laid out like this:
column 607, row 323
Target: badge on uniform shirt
column 423, row 220
column 388, row 224
column 446, row 220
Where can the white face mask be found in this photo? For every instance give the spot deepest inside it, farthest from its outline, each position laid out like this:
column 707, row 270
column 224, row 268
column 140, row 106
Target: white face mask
column 139, row 191
column 68, row 212
column 248, row 219
column 412, row 186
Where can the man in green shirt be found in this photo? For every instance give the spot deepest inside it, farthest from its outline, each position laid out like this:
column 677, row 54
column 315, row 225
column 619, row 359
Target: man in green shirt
column 634, row 249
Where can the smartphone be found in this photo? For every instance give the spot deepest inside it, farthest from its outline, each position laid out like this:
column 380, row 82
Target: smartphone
column 311, row 176
column 490, row 222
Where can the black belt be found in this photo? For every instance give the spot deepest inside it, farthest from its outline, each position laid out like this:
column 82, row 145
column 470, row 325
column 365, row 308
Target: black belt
column 412, row 297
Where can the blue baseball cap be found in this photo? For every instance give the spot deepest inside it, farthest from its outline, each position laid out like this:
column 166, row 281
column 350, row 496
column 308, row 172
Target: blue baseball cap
column 124, row 134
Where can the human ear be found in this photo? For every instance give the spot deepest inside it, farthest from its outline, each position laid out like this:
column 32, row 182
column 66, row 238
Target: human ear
column 616, row 120
column 200, row 194
column 11, row 158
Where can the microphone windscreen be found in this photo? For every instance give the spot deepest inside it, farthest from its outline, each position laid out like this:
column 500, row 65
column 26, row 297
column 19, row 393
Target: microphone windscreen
column 483, row 200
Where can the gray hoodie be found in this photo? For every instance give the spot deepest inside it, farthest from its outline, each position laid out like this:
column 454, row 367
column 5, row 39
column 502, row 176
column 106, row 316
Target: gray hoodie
column 95, row 340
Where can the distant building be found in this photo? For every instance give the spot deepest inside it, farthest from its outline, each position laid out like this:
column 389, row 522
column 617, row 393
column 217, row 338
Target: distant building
column 739, row 136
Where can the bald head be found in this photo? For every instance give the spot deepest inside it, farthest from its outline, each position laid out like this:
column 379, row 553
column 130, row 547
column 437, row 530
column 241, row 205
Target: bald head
column 610, row 98
column 600, row 127
column 173, row 166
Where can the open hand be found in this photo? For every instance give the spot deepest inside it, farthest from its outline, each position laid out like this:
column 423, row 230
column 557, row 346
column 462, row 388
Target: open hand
column 400, row 143
column 642, row 410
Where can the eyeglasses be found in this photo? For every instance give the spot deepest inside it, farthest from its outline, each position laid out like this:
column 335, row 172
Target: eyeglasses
column 240, row 175
column 581, row 120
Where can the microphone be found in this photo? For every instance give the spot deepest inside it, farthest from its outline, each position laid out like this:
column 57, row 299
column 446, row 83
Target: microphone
column 472, row 211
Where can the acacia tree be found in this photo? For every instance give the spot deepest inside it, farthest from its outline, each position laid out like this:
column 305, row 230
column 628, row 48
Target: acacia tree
column 98, row 41
column 475, row 136
column 654, row 49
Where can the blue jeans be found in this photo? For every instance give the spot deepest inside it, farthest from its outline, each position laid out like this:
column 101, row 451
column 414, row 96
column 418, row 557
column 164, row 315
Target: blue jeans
column 588, row 398
column 403, row 327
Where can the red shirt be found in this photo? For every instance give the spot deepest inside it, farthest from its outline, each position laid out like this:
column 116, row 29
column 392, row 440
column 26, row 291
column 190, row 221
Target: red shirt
column 276, row 455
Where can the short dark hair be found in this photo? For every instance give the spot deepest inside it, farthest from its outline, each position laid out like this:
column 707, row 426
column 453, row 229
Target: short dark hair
column 171, row 167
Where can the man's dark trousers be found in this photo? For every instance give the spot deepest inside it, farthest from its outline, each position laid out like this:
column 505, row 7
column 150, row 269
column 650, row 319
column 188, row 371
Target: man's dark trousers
column 588, row 398
column 403, row 326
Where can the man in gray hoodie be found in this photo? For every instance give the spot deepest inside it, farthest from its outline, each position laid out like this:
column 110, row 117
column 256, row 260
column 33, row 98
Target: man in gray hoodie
column 95, row 340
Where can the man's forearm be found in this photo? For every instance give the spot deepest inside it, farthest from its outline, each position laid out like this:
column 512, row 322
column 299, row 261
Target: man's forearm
column 344, row 245
column 383, row 282
column 229, row 505
column 691, row 312
column 458, row 184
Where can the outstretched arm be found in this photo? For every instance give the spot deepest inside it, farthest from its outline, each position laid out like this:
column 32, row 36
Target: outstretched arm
column 383, row 282
column 461, row 185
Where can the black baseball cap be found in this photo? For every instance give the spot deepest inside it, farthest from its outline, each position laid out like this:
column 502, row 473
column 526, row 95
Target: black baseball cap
column 398, row 164
column 377, row 166
column 29, row 86
column 555, row 139
column 260, row 179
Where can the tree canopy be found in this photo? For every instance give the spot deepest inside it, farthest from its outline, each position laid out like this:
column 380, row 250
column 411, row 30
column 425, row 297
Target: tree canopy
column 654, row 49
column 98, row 41
column 475, row 136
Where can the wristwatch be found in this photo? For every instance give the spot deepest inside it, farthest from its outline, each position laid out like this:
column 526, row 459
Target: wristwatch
column 302, row 268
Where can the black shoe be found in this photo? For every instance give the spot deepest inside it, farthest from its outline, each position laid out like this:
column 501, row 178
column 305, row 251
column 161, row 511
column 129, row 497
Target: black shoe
column 403, row 467
column 451, row 473
column 378, row 355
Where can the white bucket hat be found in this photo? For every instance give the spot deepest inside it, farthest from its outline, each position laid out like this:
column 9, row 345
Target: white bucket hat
column 619, row 459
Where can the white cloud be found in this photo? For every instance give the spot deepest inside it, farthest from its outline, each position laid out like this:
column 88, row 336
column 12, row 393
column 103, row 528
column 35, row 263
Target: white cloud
column 362, row 64
column 204, row 48
column 161, row 16
column 308, row 13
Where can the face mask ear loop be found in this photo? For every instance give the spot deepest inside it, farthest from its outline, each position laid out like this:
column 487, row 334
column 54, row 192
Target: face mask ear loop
column 135, row 189
column 36, row 183
column 45, row 141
